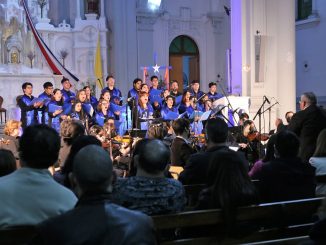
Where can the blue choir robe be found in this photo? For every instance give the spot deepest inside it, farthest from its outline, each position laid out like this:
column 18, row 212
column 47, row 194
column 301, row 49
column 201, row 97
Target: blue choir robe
column 169, row 113
column 54, row 121
column 183, row 108
column 100, row 117
column 144, row 113
column 68, row 96
column 113, row 93
column 43, row 117
column 93, row 101
column 214, row 96
column 155, row 95
column 197, row 95
column 28, row 111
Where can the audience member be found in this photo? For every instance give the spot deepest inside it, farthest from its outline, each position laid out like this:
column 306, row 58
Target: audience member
column 78, row 143
column 307, row 124
column 149, row 191
column 318, row 160
column 10, row 139
column 229, row 186
column 195, row 170
column 287, row 177
column 7, row 162
column 157, row 131
column 69, row 131
column 30, row 195
column 95, row 220
column 180, row 147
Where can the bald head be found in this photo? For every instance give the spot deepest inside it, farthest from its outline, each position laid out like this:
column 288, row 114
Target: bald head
column 154, row 157
column 92, row 168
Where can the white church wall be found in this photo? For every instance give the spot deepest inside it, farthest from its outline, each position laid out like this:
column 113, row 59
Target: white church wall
column 310, row 66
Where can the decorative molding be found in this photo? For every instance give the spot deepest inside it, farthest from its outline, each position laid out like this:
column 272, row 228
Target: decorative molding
column 216, row 20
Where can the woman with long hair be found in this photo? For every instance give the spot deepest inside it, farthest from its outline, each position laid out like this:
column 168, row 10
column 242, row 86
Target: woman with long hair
column 55, row 110
column 102, row 112
column 229, row 186
column 186, row 104
column 143, row 111
column 89, row 97
column 318, row 160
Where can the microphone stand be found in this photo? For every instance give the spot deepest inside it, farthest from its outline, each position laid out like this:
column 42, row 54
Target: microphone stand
column 269, row 111
column 259, row 113
column 229, row 104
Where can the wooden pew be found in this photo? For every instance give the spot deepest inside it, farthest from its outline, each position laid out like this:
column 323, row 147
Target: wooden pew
column 17, row 235
column 279, row 220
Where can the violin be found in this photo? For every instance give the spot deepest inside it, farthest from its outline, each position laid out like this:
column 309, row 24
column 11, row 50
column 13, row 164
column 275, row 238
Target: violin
column 257, row 136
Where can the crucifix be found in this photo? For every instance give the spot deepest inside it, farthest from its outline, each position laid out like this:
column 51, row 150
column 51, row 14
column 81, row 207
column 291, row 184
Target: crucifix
column 156, row 68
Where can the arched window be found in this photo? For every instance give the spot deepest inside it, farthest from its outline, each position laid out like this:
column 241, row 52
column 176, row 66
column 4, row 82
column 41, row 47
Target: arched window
column 184, row 59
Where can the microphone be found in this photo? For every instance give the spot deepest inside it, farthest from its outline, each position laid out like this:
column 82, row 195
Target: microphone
column 267, row 100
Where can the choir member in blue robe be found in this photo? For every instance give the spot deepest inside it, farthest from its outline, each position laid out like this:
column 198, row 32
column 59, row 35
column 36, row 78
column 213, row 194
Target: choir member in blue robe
column 90, row 98
column 103, row 112
column 213, row 94
column 174, row 88
column 55, row 110
column 142, row 112
column 68, row 96
column 186, row 104
column 195, row 91
column 45, row 97
column 28, row 106
column 169, row 111
column 155, row 92
column 133, row 93
column 114, row 92
column 78, row 113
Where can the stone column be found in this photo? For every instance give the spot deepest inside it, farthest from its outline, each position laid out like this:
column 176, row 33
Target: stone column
column 102, row 15
column 78, row 9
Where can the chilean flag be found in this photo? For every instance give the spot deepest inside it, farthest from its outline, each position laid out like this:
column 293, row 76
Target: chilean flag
column 53, row 62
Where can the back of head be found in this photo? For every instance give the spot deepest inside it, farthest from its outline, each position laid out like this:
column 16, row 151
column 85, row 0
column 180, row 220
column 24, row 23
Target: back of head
column 39, row 146
column 92, row 168
column 180, row 125
column 321, row 145
column 70, row 130
column 216, row 130
column 287, row 144
column 157, row 131
column 7, row 162
column 78, row 144
column 153, row 157
column 310, row 98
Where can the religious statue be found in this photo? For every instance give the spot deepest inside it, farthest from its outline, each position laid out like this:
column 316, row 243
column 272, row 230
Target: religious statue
column 14, row 57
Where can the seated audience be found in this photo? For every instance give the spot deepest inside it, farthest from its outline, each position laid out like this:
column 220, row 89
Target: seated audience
column 7, row 162
column 10, row 139
column 30, row 195
column 195, row 170
column 69, row 131
column 287, row 177
column 157, row 131
column 180, row 147
column 95, row 220
column 229, row 186
column 149, row 191
column 79, row 143
column 318, row 160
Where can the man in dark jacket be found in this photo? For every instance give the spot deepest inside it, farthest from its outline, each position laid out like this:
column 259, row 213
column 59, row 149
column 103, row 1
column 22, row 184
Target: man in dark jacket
column 95, row 220
column 216, row 133
column 307, row 124
column 287, row 177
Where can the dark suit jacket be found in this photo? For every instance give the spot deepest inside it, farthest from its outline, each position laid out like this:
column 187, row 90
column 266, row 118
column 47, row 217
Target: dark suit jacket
column 95, row 220
column 285, row 179
column 180, row 152
column 195, row 171
column 307, row 124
